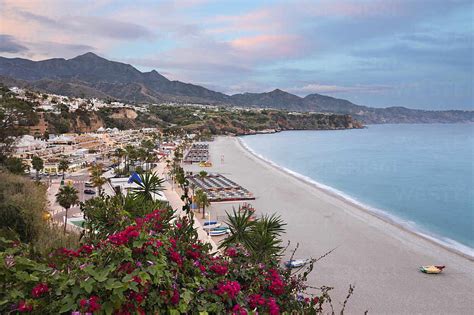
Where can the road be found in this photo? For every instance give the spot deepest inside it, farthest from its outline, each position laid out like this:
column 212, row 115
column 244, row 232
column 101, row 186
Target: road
column 78, row 180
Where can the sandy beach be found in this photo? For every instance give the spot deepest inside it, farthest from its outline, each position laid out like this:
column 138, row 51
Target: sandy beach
column 379, row 258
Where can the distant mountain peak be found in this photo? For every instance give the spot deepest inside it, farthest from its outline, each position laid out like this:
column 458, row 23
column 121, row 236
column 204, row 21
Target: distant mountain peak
column 88, row 55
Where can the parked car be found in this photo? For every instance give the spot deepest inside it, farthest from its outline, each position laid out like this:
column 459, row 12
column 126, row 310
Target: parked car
column 89, row 192
column 89, row 185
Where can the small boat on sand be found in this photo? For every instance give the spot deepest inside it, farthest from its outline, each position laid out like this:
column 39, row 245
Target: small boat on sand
column 218, row 232
column 296, row 263
column 212, row 226
column 432, row 269
column 221, row 228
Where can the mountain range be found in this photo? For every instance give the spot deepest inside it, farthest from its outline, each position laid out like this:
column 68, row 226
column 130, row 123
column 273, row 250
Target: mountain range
column 89, row 75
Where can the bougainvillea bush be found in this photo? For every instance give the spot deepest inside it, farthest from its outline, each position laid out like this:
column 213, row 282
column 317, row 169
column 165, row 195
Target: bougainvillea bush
column 153, row 266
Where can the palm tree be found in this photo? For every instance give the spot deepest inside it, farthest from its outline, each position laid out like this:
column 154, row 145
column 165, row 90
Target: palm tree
column 149, row 184
column 37, row 164
column 261, row 238
column 130, row 155
column 67, row 197
column 202, row 174
column 97, row 180
column 265, row 238
column 202, row 201
column 239, row 224
column 120, row 154
column 63, row 166
column 180, row 177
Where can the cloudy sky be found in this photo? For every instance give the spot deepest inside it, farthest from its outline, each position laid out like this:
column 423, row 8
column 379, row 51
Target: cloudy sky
column 416, row 53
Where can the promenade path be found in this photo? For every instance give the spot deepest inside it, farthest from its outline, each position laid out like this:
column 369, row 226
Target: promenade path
column 173, row 194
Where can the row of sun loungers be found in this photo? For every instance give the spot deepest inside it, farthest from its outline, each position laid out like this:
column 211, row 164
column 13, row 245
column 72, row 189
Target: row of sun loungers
column 198, row 153
column 220, row 188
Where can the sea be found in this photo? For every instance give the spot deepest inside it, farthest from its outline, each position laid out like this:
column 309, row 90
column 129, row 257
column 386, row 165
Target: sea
column 419, row 176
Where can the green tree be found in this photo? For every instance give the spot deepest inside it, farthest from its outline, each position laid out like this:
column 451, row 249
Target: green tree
column 120, row 154
column 202, row 201
column 15, row 165
column 130, row 156
column 97, row 180
column 240, row 224
column 180, row 177
column 265, row 238
column 150, row 183
column 261, row 237
column 148, row 145
column 37, row 164
column 67, row 197
column 63, row 165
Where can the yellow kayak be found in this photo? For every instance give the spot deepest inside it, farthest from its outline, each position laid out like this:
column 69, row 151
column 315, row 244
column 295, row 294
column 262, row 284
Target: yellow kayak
column 432, row 269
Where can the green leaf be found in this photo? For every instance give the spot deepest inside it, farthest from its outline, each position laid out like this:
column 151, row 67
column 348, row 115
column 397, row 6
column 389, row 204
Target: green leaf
column 108, row 307
column 112, row 284
column 67, row 307
column 102, row 275
column 88, row 285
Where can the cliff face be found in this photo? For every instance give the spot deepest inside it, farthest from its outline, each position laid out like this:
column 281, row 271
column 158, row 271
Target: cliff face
column 91, row 125
column 223, row 122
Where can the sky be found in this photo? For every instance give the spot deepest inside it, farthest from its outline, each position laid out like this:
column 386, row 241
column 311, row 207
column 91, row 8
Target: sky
column 416, row 53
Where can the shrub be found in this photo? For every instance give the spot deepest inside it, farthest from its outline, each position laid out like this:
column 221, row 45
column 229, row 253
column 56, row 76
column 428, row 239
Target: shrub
column 151, row 266
column 22, row 209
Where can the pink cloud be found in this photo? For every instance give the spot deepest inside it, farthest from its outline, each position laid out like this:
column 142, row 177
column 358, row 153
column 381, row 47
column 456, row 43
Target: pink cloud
column 268, row 45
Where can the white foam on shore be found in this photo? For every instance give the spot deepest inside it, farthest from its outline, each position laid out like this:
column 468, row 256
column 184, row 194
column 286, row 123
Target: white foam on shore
column 410, row 226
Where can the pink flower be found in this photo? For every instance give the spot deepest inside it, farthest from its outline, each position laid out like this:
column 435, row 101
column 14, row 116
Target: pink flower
column 276, row 286
column 123, row 237
column 228, row 289
column 173, row 242
column 136, row 296
column 238, row 310
column 39, row 290
column 273, row 308
column 175, row 298
column 86, row 249
column 90, row 305
column 137, row 279
column 219, row 269
column 256, row 300
column 231, row 252
column 192, row 254
column 176, row 257
column 24, row 307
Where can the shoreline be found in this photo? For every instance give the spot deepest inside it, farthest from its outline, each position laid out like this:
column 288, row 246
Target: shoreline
column 376, row 213
column 379, row 258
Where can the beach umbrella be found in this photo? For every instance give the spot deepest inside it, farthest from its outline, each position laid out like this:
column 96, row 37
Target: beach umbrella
column 134, row 178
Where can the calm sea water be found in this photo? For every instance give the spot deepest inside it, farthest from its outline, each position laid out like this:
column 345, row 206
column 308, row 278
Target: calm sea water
column 420, row 175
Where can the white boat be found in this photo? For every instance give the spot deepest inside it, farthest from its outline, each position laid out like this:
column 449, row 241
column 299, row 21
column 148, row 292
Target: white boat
column 218, row 232
column 213, row 226
column 296, row 263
